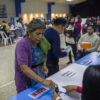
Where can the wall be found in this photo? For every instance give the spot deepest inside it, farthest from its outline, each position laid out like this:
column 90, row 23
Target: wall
column 34, row 7
column 60, row 8
column 10, row 8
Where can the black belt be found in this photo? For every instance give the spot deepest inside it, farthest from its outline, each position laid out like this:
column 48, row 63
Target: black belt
column 34, row 66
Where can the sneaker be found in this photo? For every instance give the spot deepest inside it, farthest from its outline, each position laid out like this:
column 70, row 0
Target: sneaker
column 14, row 42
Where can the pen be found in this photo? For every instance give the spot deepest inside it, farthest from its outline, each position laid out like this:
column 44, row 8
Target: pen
column 44, row 94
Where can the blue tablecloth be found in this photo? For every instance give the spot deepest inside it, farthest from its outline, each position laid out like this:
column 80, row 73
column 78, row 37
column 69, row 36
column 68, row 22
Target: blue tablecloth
column 24, row 95
column 93, row 57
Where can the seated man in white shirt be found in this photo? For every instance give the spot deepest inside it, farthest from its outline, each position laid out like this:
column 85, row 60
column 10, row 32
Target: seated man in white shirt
column 89, row 37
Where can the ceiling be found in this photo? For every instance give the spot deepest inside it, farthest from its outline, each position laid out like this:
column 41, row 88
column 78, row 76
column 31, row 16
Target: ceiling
column 62, row 1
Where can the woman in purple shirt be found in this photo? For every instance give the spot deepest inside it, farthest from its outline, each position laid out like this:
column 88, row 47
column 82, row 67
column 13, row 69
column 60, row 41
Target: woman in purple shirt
column 30, row 61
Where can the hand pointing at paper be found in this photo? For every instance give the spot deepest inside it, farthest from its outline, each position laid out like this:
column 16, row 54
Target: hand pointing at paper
column 70, row 88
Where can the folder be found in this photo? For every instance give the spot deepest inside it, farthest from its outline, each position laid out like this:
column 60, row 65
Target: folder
column 86, row 45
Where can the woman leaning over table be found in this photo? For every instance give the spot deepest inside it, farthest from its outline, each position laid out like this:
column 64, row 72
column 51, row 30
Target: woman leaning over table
column 30, row 58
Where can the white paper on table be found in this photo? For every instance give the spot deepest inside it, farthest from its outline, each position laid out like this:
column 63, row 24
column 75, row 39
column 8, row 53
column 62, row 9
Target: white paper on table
column 94, row 55
column 74, row 80
column 66, row 97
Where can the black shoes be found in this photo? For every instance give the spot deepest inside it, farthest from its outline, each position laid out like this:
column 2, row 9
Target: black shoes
column 68, row 63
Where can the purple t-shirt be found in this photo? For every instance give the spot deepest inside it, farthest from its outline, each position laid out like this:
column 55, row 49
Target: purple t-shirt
column 22, row 57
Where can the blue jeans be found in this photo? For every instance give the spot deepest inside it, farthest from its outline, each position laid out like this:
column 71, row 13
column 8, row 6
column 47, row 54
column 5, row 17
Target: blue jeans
column 81, row 54
column 11, row 36
column 21, row 31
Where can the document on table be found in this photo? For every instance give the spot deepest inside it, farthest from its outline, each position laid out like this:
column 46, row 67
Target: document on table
column 85, row 62
column 95, row 55
column 66, row 97
column 71, row 75
column 38, row 92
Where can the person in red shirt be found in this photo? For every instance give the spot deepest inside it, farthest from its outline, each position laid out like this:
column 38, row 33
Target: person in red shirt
column 78, row 24
column 91, row 85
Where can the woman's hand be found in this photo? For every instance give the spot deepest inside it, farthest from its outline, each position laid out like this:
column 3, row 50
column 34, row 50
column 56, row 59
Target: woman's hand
column 70, row 88
column 67, row 35
column 55, row 95
column 45, row 69
column 49, row 83
column 62, row 48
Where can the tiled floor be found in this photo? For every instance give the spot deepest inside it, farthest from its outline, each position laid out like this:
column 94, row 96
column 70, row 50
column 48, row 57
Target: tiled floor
column 7, row 85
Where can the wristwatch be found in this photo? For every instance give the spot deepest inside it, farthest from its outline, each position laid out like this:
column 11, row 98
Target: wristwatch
column 58, row 98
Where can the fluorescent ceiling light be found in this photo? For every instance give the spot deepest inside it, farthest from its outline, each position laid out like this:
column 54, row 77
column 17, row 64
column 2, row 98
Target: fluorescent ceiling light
column 69, row 0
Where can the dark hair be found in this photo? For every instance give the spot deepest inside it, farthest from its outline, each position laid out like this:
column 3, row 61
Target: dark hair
column 17, row 21
column 79, row 18
column 4, row 26
column 91, row 83
column 3, row 21
column 90, row 26
column 59, row 21
column 71, row 19
column 9, row 23
column 35, row 24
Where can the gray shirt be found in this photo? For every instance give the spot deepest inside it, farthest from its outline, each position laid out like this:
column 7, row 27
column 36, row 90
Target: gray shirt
column 93, row 39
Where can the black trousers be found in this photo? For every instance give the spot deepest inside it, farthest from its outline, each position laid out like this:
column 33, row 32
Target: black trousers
column 53, row 68
column 78, row 37
column 74, row 49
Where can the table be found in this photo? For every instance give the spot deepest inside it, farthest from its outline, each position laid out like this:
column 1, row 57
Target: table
column 76, row 71
column 57, row 78
column 24, row 95
column 15, row 32
column 93, row 57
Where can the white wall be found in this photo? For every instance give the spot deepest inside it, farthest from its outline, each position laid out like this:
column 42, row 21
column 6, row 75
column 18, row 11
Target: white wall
column 31, row 6
column 84, row 20
column 60, row 8
column 34, row 7
column 10, row 8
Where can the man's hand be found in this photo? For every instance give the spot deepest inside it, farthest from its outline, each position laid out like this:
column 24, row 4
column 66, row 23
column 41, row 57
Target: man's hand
column 45, row 69
column 62, row 49
column 67, row 35
column 70, row 88
column 55, row 95
column 67, row 54
column 81, row 49
column 85, row 50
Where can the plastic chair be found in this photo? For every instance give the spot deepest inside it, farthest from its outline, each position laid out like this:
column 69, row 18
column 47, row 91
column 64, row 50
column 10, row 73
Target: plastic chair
column 5, row 38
